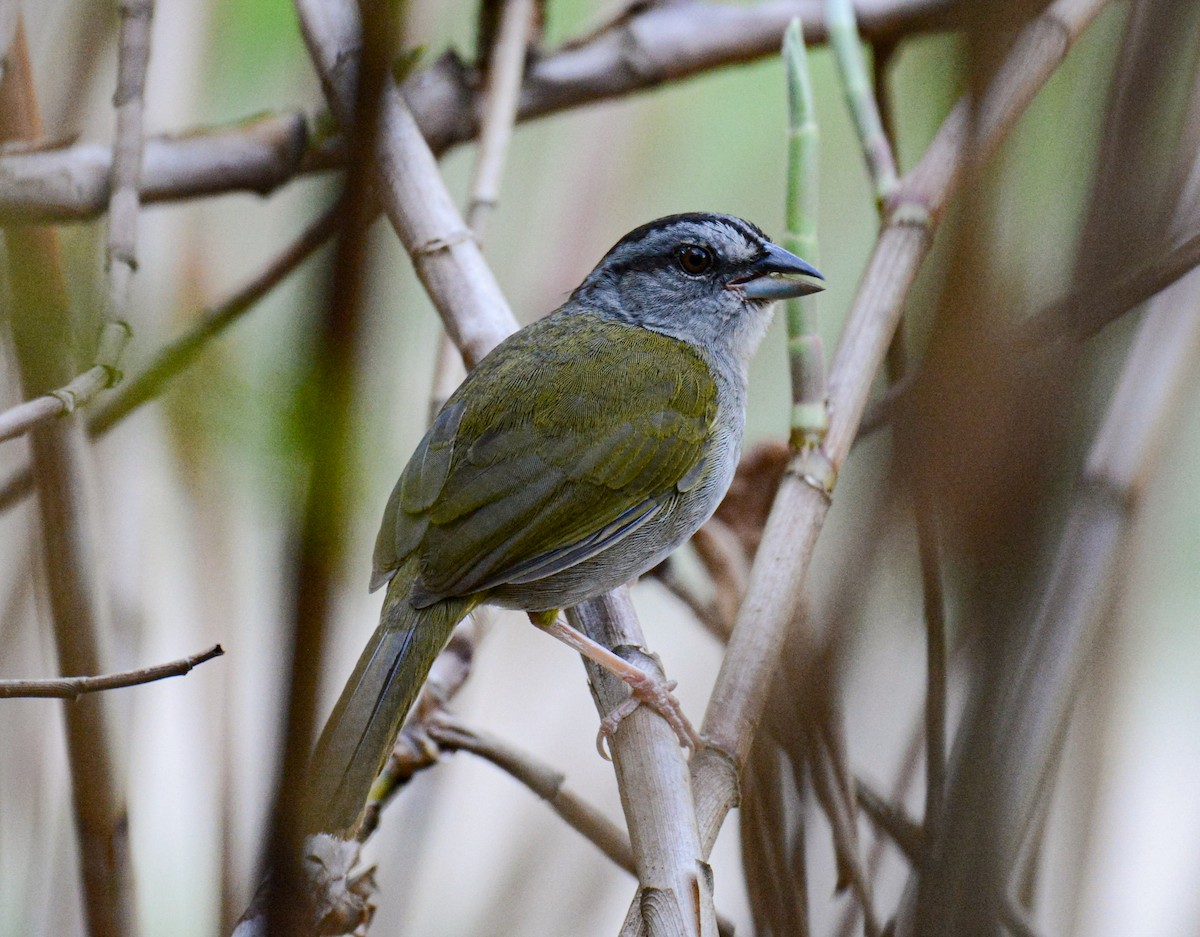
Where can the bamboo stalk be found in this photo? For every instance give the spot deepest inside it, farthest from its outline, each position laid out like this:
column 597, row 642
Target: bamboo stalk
column 864, row 104
column 653, row 780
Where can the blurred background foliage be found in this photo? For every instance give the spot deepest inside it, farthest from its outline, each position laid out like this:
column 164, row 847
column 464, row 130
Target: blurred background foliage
column 196, row 492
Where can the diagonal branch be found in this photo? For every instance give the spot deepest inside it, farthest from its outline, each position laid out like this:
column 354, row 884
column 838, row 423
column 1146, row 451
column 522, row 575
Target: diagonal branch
column 776, row 583
column 71, row 688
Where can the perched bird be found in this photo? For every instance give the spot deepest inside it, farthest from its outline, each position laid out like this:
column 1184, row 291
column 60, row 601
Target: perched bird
column 577, row 455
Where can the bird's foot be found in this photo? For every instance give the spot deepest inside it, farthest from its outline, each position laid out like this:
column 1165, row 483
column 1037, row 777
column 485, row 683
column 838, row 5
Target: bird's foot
column 650, row 690
column 645, row 687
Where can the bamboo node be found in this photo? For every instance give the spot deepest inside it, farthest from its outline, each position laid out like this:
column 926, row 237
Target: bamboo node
column 433, row 245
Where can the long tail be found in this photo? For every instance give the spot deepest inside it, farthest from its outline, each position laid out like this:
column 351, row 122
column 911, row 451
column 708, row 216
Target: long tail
column 362, row 729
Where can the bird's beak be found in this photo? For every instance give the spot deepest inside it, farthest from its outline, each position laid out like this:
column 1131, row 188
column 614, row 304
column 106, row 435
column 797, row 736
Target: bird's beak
column 768, row 280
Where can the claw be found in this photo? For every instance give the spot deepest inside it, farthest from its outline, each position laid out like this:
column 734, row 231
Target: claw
column 651, row 691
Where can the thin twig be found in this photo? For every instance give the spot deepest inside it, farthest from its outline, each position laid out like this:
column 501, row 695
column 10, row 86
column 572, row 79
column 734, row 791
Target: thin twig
column 880, row 159
column 293, row 906
column 24, row 417
column 506, row 63
column 669, row 42
column 839, row 807
column 72, row 688
column 799, row 510
column 40, row 323
column 179, row 354
column 893, row 820
column 1080, row 314
column 545, row 781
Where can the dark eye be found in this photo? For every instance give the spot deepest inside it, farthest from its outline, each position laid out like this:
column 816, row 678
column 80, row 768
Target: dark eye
column 693, row 260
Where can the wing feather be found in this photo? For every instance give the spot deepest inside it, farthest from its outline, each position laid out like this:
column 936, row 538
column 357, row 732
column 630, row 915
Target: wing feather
column 516, row 482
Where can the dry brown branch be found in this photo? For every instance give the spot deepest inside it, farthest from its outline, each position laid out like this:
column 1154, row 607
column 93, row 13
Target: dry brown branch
column 661, row 43
column 799, row 511
column 772, row 831
column 837, row 801
column 1080, row 314
column 40, row 322
column 72, row 688
column 292, row 905
column 1031, row 662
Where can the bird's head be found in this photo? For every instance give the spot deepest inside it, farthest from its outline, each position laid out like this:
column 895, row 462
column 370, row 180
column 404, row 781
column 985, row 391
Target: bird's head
column 706, row 278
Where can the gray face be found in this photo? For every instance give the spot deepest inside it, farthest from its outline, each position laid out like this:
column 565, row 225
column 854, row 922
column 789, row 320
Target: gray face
column 704, row 278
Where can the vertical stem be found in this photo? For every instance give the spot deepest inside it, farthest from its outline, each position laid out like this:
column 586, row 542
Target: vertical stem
column 40, row 320
column 506, row 62
column 806, row 354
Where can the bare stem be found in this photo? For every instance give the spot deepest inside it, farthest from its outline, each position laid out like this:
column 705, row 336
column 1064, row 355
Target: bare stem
column 180, row 354
column 72, row 688
column 652, row 777
column 856, row 80
column 806, row 354
column 121, row 254
column 500, row 96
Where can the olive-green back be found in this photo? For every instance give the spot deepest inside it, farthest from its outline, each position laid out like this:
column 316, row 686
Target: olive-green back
column 572, row 434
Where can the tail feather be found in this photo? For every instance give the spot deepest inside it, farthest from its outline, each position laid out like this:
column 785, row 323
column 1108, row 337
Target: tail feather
column 363, row 726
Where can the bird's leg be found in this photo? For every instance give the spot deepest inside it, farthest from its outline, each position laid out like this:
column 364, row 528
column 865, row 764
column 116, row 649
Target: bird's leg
column 644, row 687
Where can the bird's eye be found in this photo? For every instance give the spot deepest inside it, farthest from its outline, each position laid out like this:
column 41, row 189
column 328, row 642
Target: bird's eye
column 693, row 260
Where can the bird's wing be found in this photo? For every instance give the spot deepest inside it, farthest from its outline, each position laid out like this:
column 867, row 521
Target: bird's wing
column 515, row 481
